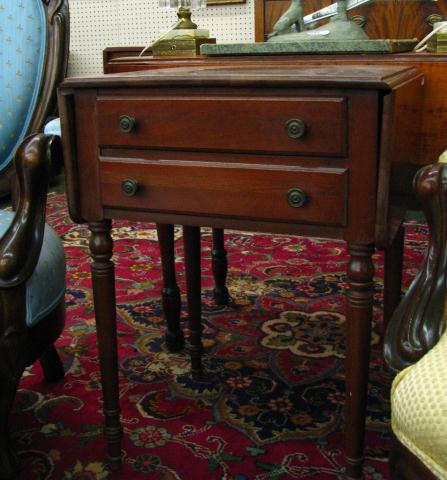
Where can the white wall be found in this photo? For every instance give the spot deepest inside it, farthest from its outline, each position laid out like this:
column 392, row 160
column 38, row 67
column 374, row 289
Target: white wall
column 96, row 24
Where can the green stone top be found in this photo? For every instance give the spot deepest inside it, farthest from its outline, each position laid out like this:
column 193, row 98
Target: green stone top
column 309, row 47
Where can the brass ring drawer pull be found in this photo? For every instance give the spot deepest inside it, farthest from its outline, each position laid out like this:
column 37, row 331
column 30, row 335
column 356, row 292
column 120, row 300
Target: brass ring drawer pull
column 129, row 187
column 126, row 123
column 295, row 128
column 296, row 197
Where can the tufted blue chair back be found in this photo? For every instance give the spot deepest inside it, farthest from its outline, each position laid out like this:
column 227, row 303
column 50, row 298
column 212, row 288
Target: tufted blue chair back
column 22, row 59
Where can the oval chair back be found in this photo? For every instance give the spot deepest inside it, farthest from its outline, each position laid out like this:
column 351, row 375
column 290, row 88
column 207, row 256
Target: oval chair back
column 33, row 60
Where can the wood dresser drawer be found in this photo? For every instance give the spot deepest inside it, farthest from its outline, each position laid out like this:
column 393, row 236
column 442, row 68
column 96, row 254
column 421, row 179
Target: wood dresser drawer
column 221, row 190
column 286, row 125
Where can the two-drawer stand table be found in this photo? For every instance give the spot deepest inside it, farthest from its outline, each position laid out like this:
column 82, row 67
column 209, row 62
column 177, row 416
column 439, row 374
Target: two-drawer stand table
column 296, row 150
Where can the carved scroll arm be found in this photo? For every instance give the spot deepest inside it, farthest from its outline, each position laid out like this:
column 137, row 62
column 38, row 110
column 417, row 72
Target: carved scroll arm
column 20, row 245
column 420, row 318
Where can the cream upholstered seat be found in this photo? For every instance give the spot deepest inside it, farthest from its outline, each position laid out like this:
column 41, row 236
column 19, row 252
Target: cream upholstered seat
column 419, row 408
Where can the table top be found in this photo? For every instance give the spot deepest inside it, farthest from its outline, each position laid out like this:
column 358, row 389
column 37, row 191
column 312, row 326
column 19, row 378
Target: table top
column 379, row 77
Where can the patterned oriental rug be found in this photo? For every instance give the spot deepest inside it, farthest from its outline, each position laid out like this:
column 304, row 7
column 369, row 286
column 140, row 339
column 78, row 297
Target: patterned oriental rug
column 272, row 404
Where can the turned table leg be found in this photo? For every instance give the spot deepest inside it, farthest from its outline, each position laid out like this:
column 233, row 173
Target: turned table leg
column 103, row 282
column 220, row 267
column 171, row 292
column 191, row 238
column 358, row 318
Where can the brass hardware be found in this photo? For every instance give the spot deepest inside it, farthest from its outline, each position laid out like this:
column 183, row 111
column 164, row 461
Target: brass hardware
column 126, row 123
column 129, row 187
column 296, row 197
column 434, row 18
column 295, row 128
column 183, row 40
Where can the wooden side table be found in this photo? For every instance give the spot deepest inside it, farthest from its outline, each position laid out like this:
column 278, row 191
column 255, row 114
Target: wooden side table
column 297, row 150
column 430, row 135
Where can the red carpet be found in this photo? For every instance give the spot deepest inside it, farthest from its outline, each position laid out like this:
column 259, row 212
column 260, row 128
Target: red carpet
column 272, row 405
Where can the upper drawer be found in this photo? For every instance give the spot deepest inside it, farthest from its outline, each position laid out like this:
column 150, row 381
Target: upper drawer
column 272, row 125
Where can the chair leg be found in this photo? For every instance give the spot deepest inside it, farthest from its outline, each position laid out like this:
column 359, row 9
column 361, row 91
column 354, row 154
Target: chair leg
column 171, row 293
column 52, row 367
column 392, row 294
column 220, row 267
column 11, row 350
column 392, row 291
column 8, row 460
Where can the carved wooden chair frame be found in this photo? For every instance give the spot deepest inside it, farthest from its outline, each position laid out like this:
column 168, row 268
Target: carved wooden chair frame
column 419, row 320
column 21, row 244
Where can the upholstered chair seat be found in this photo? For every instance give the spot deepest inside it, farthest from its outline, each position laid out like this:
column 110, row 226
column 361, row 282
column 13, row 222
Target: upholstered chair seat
column 419, row 408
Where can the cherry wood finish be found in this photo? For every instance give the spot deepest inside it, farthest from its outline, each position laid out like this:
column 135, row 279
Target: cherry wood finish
column 375, row 130
column 20, row 248
column 358, row 313
column 326, row 135
column 103, row 282
column 56, row 61
column 191, row 186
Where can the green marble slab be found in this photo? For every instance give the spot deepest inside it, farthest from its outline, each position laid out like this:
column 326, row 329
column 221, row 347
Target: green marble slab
column 309, row 47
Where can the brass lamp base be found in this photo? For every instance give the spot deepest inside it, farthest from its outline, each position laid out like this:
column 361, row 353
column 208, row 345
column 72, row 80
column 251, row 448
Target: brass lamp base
column 180, row 47
column 183, row 40
column 184, row 19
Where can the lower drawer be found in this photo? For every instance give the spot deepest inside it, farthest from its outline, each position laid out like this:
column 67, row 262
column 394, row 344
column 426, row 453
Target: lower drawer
column 277, row 193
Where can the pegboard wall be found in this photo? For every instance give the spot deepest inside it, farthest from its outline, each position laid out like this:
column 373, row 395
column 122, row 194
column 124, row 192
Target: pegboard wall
column 96, row 24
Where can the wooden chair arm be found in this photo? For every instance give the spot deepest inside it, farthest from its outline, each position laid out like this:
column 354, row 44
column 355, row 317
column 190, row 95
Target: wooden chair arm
column 21, row 244
column 419, row 320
